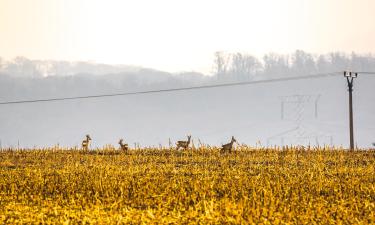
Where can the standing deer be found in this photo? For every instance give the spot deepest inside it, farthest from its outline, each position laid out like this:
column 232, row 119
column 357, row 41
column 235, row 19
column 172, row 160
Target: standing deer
column 183, row 144
column 85, row 143
column 229, row 146
column 124, row 147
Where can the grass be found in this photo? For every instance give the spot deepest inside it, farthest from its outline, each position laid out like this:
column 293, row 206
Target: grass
column 250, row 186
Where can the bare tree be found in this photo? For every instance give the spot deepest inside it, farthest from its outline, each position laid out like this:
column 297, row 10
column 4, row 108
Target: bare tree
column 322, row 64
column 220, row 64
column 303, row 63
column 1, row 63
column 339, row 61
column 244, row 66
column 22, row 67
column 276, row 65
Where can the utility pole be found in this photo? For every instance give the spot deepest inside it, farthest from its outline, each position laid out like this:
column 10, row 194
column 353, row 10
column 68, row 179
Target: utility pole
column 349, row 78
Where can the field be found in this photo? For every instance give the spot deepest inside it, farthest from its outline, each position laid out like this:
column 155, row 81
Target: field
column 250, row 186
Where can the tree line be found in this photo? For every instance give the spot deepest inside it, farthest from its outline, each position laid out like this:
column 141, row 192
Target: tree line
column 243, row 66
column 226, row 66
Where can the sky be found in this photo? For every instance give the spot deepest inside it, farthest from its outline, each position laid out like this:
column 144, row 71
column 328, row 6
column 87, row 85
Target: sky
column 181, row 35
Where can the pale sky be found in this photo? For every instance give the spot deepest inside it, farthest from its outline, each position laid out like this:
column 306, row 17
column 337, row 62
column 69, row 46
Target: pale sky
column 181, row 35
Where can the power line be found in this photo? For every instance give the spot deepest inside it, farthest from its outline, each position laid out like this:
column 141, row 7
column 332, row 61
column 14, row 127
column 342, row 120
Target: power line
column 174, row 89
column 367, row 73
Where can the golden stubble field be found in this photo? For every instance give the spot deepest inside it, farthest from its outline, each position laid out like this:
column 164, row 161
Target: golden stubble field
column 162, row 186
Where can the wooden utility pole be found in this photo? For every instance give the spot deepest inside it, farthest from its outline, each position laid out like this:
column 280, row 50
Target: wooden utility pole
column 349, row 78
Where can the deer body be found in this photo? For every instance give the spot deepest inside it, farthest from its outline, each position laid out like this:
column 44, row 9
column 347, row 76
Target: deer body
column 86, row 142
column 228, row 147
column 123, row 146
column 183, row 144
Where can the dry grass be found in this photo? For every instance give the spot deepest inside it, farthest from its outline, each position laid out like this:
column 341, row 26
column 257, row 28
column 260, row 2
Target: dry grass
column 250, row 186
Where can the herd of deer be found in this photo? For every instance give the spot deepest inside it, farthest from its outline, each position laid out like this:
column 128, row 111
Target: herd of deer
column 179, row 144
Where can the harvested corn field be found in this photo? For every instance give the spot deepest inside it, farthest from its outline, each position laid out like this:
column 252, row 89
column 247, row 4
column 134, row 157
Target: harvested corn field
column 249, row 186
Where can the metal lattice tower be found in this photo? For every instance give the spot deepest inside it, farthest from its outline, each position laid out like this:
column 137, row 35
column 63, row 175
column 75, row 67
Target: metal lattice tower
column 294, row 109
column 297, row 104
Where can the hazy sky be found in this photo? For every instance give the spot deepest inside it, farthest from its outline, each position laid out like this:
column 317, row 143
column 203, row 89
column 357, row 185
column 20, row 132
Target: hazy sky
column 179, row 35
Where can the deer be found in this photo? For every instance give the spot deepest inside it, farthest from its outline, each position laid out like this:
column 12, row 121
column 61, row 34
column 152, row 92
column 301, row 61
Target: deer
column 85, row 143
column 183, row 144
column 229, row 146
column 124, row 147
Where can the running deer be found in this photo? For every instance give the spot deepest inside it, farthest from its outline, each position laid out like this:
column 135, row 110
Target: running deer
column 229, row 146
column 86, row 143
column 183, row 144
column 124, row 147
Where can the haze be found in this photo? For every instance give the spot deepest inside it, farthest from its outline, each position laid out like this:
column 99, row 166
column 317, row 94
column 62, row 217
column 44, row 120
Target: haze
column 68, row 48
column 175, row 36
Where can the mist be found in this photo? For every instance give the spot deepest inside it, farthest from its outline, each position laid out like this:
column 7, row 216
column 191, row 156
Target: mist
column 295, row 112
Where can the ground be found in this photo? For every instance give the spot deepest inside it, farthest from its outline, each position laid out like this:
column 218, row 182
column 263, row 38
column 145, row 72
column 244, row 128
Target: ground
column 249, row 186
